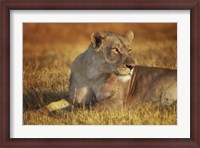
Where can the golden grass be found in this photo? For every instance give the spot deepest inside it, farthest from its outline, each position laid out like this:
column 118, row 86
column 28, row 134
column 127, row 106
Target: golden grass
column 48, row 51
column 143, row 115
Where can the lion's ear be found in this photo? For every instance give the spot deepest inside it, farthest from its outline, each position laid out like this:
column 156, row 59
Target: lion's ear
column 97, row 38
column 129, row 35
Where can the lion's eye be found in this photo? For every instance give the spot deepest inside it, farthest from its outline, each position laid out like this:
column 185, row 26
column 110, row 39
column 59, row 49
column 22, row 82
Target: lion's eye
column 130, row 50
column 115, row 50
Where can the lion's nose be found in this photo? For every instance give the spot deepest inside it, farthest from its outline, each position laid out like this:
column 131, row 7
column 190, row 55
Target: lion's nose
column 130, row 66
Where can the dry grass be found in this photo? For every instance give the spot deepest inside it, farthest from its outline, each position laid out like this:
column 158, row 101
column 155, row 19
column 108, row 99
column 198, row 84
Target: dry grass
column 49, row 50
column 148, row 115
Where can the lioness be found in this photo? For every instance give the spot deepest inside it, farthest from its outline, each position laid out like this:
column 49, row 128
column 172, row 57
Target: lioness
column 105, row 76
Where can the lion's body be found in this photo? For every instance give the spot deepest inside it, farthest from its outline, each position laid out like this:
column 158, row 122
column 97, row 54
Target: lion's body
column 105, row 76
column 94, row 81
column 153, row 85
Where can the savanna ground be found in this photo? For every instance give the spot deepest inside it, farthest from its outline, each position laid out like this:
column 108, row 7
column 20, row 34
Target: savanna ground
column 49, row 49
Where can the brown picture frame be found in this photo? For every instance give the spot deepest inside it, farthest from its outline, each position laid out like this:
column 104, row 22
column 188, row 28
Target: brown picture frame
column 192, row 5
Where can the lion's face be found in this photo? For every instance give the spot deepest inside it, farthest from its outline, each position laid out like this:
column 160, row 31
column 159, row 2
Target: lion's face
column 114, row 52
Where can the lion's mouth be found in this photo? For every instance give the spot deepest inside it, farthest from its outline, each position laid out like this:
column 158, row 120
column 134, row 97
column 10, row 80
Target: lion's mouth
column 124, row 71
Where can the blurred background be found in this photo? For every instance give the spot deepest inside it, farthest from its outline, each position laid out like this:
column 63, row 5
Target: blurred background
column 154, row 43
column 50, row 48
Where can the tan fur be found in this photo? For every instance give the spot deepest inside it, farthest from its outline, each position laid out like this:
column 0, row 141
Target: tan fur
column 104, row 69
column 53, row 106
column 152, row 85
column 105, row 76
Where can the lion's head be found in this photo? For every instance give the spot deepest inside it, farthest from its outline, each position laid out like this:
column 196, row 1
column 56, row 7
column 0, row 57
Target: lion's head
column 113, row 51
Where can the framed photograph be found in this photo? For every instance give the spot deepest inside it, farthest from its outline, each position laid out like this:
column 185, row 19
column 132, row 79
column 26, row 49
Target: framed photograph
column 105, row 74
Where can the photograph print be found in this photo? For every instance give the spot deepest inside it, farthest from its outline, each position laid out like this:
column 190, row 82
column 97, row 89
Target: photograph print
column 100, row 74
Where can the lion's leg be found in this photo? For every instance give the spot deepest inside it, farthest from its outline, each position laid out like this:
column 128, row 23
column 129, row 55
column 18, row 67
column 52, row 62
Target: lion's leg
column 110, row 94
column 109, row 101
column 80, row 95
